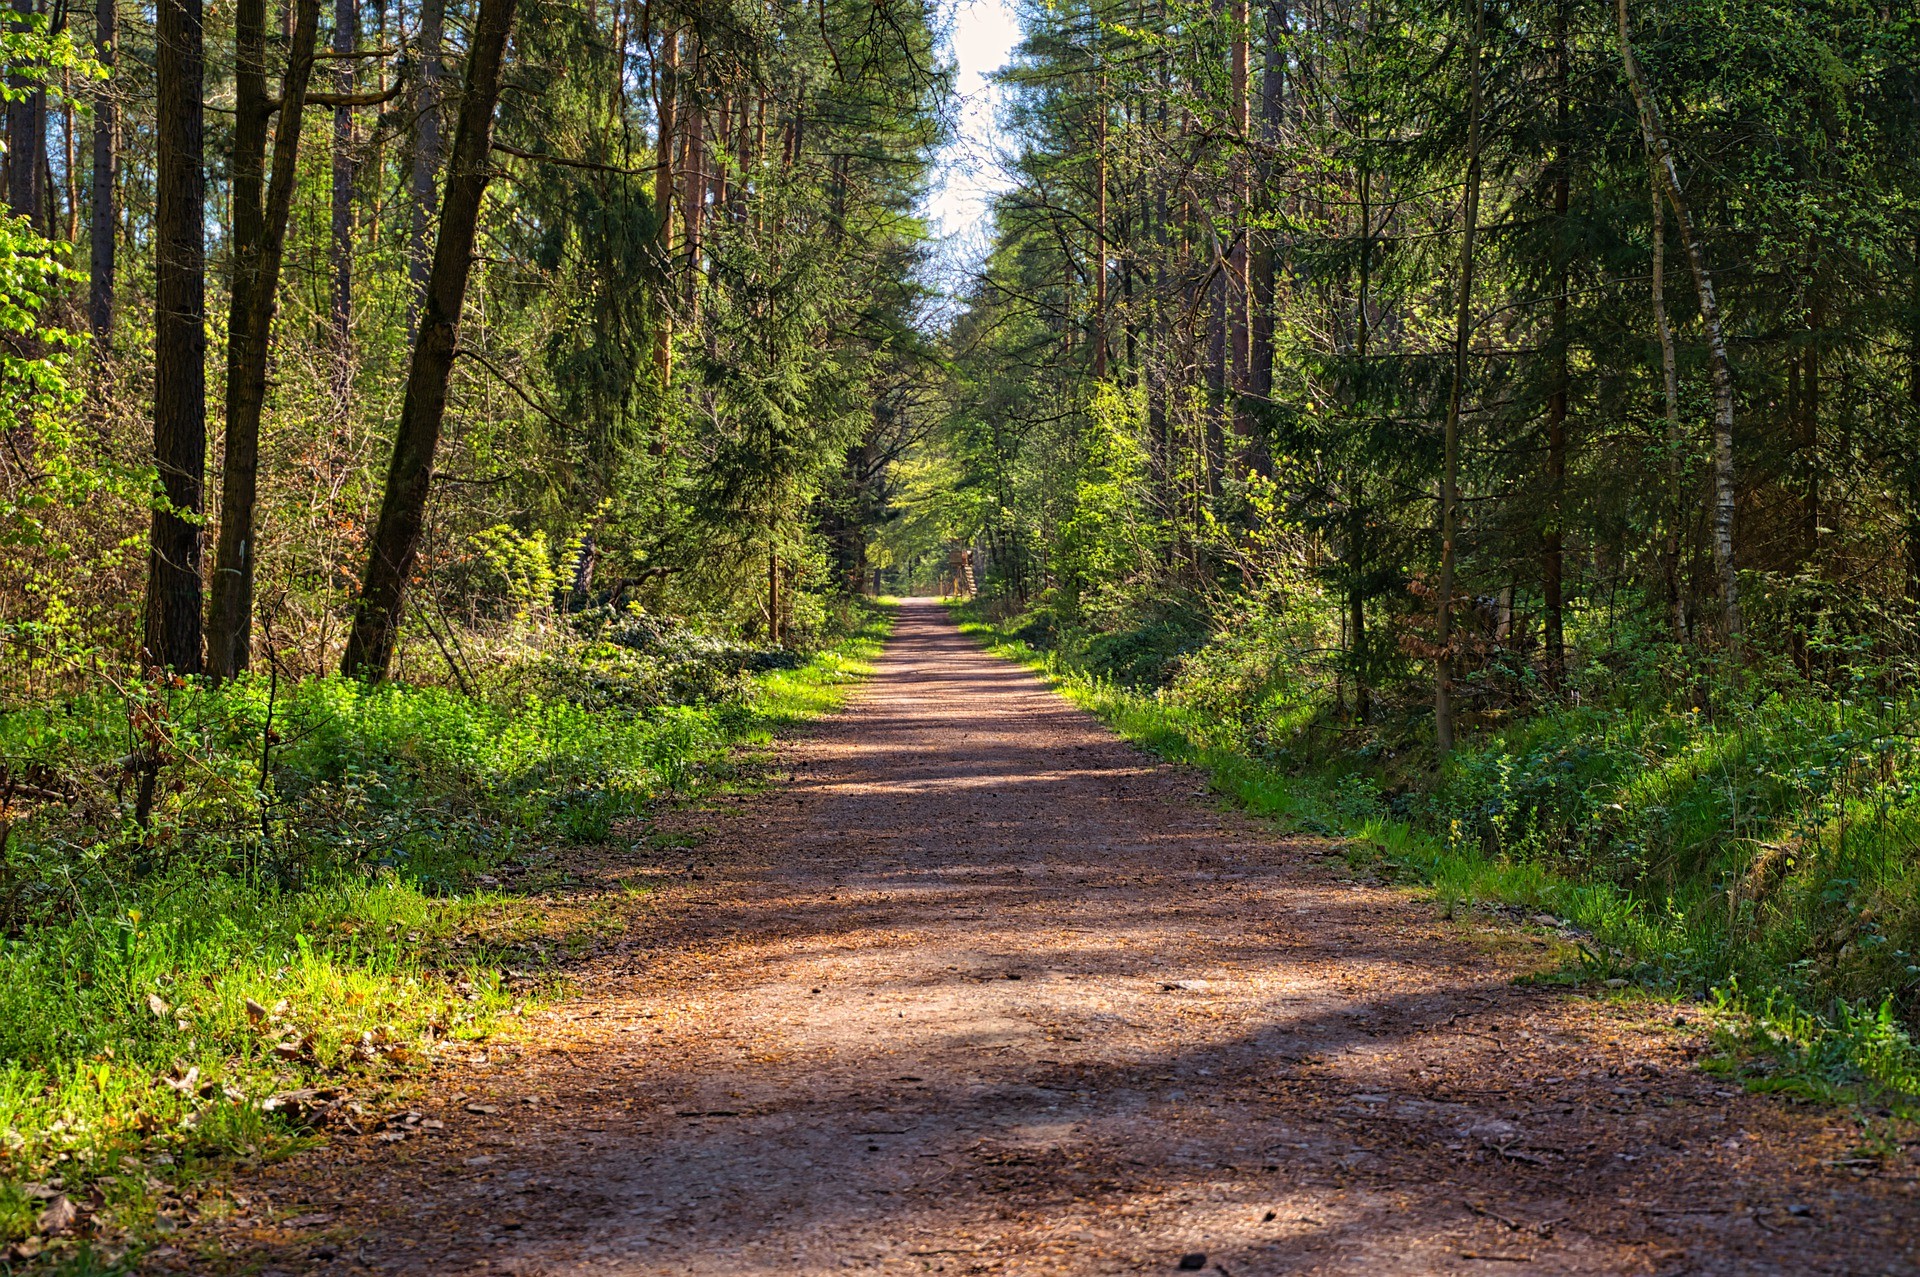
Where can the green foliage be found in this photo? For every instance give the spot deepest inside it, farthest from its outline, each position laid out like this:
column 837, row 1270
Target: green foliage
column 1763, row 856
column 522, row 564
column 129, row 1045
column 343, row 889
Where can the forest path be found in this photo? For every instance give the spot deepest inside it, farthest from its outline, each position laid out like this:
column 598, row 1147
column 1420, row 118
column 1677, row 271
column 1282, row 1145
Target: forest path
column 986, row 990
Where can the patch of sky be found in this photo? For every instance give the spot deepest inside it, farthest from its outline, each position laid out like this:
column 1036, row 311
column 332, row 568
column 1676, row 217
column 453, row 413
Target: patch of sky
column 968, row 173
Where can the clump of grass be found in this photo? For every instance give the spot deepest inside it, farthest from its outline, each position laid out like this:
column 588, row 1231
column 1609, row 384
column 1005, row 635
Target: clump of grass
column 140, row 1045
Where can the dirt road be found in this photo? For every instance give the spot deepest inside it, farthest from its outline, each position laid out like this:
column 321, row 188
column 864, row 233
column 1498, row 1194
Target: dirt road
column 985, row 990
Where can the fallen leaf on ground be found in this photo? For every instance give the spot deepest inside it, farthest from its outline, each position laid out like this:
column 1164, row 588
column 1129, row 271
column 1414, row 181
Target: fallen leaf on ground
column 58, row 1217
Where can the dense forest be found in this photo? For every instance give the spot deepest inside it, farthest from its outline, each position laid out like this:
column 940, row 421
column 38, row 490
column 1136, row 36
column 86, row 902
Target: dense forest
column 1488, row 430
column 439, row 430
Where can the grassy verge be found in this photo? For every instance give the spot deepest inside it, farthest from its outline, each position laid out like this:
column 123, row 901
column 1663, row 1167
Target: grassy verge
column 1673, row 942
column 272, row 950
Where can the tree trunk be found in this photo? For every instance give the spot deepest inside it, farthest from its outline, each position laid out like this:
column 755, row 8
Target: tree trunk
column 695, row 203
column 259, row 244
column 773, row 591
column 1552, row 547
column 27, row 138
column 1357, row 607
column 666, row 90
column 403, row 506
column 426, row 156
column 1670, row 387
column 1668, row 173
column 1100, row 233
column 346, row 39
column 172, row 630
column 1913, row 422
column 1237, row 277
column 1218, row 291
column 1808, row 444
column 723, row 134
column 1450, row 460
column 71, row 166
column 104, row 220
column 1261, row 272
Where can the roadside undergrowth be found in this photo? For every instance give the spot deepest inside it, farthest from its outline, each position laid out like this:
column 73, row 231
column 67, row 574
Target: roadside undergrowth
column 1673, row 943
column 269, row 952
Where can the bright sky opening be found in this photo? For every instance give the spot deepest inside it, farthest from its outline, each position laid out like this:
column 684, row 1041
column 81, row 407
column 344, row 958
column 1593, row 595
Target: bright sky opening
column 967, row 172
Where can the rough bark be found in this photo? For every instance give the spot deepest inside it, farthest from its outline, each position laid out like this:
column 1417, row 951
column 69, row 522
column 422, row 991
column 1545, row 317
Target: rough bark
column 403, row 505
column 259, row 244
column 1450, row 438
column 426, row 156
column 1668, row 173
column 104, row 216
column 172, row 629
column 26, row 139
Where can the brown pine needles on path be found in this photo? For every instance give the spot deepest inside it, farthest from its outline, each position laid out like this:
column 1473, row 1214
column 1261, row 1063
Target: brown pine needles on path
column 986, row 990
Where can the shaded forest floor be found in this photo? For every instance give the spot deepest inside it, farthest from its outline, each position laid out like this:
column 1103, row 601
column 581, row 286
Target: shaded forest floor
column 983, row 989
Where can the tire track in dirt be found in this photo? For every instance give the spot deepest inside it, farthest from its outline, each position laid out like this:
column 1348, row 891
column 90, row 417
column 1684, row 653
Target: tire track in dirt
column 986, row 990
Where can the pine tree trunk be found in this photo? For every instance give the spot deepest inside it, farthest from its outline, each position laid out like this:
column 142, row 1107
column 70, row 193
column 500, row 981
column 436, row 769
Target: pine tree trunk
column 1215, row 441
column 1100, row 232
column 426, row 157
column 26, row 138
column 1239, row 291
column 403, row 506
column 773, row 591
column 1808, row 444
column 1670, row 389
column 259, row 244
column 695, row 203
column 1450, row 460
column 1661, row 151
column 1357, row 549
column 172, row 629
column 1913, row 403
column 1552, row 547
column 666, row 91
column 104, row 220
column 72, row 158
column 1261, row 270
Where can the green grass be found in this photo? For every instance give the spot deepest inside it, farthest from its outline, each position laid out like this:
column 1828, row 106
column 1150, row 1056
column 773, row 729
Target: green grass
column 330, row 922
column 1622, row 825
